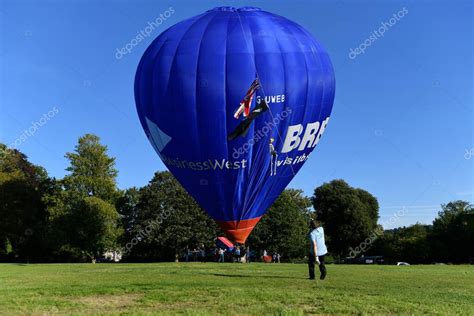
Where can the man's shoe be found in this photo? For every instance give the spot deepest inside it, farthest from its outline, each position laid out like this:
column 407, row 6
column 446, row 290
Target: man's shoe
column 323, row 275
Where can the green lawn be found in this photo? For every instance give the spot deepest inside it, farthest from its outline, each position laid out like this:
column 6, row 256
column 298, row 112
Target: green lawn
column 210, row 288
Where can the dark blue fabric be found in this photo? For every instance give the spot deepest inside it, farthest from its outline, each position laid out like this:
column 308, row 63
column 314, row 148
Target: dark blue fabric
column 190, row 81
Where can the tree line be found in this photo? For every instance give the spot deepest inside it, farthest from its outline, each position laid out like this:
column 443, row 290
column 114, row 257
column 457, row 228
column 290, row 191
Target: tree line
column 83, row 215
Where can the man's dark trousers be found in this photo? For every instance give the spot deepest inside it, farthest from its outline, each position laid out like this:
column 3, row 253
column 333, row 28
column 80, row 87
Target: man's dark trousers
column 322, row 266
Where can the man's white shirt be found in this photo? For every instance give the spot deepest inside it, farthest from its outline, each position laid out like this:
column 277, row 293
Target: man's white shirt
column 317, row 235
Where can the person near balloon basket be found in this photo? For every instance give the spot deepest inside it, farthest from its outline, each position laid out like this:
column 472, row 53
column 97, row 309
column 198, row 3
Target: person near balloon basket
column 221, row 255
column 237, row 254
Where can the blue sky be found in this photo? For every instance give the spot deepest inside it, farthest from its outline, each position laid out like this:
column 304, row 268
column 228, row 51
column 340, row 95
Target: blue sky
column 402, row 123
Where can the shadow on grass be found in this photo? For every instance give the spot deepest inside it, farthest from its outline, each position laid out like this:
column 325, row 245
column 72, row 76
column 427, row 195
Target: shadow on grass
column 253, row 276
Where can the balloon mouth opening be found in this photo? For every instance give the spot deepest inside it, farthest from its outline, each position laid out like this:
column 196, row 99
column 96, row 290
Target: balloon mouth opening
column 238, row 231
column 234, row 9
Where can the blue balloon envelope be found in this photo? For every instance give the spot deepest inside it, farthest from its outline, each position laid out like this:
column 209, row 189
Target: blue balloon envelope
column 234, row 101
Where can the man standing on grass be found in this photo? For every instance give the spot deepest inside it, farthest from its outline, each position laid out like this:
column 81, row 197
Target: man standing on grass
column 317, row 249
column 221, row 255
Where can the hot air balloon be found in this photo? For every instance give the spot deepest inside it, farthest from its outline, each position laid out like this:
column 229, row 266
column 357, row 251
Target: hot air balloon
column 234, row 100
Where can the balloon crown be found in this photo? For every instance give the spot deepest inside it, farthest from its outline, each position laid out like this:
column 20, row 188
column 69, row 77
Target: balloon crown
column 233, row 9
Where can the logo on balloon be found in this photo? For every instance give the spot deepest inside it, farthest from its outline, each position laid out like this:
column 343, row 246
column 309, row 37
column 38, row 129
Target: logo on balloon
column 312, row 135
column 157, row 138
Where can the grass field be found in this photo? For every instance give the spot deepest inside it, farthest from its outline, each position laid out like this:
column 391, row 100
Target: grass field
column 210, row 288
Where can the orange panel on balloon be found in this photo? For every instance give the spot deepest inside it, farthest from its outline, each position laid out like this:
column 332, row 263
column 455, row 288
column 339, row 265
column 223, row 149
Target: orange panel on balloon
column 238, row 231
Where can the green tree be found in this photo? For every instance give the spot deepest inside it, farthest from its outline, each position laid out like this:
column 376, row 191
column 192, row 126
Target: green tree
column 453, row 233
column 83, row 218
column 95, row 227
column 349, row 215
column 414, row 244
column 168, row 220
column 408, row 244
column 284, row 227
column 127, row 206
column 92, row 171
column 22, row 212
